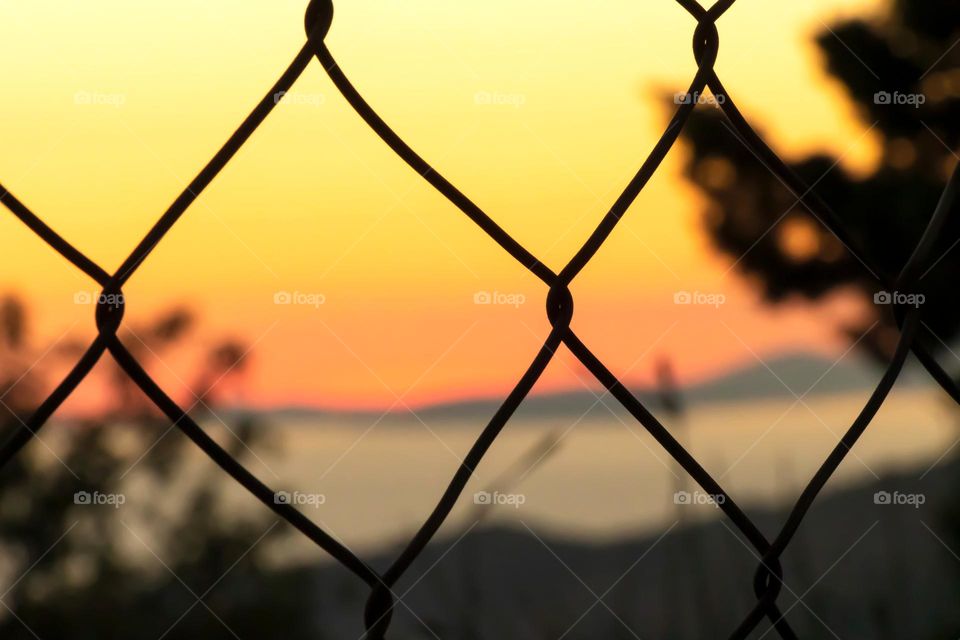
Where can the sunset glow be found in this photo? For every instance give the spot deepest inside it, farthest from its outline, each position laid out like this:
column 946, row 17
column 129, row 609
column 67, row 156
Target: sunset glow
column 114, row 106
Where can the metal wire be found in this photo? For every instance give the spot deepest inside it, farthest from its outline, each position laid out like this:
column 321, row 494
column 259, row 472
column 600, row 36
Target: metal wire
column 768, row 580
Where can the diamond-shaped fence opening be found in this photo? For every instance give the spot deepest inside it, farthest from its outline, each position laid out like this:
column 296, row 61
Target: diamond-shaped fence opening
column 768, row 580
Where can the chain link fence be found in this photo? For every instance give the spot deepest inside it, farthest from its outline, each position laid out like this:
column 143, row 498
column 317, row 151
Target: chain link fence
column 768, row 580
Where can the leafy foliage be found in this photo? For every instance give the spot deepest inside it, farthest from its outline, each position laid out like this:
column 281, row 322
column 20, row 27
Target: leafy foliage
column 902, row 73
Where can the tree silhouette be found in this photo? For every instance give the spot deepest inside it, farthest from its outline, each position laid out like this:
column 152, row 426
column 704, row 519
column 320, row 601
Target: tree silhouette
column 902, row 72
column 80, row 570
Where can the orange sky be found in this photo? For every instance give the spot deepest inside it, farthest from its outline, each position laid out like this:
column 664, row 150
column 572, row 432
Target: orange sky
column 113, row 106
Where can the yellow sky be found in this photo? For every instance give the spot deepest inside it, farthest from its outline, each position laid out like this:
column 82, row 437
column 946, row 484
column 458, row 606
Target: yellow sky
column 540, row 111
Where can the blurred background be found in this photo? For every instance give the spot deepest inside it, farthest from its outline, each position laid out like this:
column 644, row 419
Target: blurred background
column 347, row 333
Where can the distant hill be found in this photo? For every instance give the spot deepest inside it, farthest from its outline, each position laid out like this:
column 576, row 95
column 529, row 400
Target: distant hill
column 783, row 376
column 866, row 571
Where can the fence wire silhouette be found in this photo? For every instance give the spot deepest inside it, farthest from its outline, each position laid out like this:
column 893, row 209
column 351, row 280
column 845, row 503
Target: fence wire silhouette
column 768, row 579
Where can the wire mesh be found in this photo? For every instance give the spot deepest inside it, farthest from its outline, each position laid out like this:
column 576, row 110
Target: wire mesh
column 768, row 579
